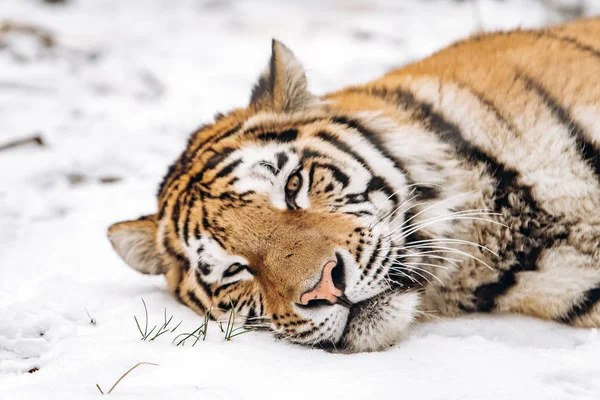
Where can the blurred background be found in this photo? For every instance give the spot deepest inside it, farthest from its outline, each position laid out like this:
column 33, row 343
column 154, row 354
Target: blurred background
column 98, row 97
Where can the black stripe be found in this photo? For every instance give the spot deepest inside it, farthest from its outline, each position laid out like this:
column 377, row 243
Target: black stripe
column 216, row 159
column 212, row 163
column 202, row 284
column 425, row 192
column 571, row 40
column 345, row 148
column 184, row 263
column 205, row 223
column 195, row 137
column 490, row 106
column 377, row 183
column 285, row 137
column 335, row 171
column 416, row 235
column 250, row 317
column 225, row 171
column 373, row 139
column 587, row 149
column 451, row 134
column 308, row 154
column 194, row 299
column 186, row 223
column 358, row 213
column 589, row 300
column 190, row 159
column 282, row 159
column 485, row 296
column 223, row 287
column 405, row 279
column 231, row 304
column 176, row 215
column 186, row 159
column 373, row 257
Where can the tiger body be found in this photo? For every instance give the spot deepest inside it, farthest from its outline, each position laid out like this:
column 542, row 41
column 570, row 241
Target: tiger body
column 465, row 182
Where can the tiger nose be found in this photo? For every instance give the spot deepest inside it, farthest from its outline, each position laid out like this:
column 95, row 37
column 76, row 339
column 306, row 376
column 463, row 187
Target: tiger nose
column 328, row 287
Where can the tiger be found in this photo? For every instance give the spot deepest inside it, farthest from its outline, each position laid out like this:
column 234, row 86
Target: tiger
column 466, row 182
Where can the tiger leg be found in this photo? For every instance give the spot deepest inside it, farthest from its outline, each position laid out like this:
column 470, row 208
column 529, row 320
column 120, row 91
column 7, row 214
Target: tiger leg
column 564, row 287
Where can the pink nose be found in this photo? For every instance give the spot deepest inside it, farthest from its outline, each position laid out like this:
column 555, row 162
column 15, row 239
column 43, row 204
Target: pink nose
column 325, row 289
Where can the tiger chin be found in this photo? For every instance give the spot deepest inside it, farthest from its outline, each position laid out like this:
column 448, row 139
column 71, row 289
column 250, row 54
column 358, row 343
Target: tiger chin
column 465, row 182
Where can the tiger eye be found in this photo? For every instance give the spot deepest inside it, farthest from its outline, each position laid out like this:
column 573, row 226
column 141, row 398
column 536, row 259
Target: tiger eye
column 293, row 183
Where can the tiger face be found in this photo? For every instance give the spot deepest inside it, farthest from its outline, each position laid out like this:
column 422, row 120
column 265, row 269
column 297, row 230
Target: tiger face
column 285, row 212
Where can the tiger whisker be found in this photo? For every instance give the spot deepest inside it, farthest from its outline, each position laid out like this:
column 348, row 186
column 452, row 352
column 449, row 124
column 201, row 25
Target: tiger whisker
column 473, row 212
column 409, row 198
column 414, row 269
column 425, row 264
column 436, row 204
column 427, row 184
column 450, row 216
column 395, row 210
column 405, row 211
column 428, row 314
column 389, row 197
column 426, row 224
column 396, row 258
column 448, row 240
column 431, row 254
column 396, row 270
column 451, row 250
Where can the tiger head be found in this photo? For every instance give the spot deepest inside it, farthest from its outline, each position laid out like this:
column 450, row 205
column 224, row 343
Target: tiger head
column 289, row 211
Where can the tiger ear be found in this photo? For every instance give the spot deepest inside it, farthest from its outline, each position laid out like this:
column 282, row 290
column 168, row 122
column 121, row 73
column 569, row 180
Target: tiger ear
column 282, row 87
column 135, row 243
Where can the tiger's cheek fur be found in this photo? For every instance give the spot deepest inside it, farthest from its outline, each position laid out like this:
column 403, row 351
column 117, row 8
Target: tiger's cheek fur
column 382, row 323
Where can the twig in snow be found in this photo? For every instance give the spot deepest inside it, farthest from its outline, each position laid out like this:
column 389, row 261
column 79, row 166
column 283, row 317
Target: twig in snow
column 200, row 331
column 123, row 376
column 92, row 320
column 231, row 331
column 43, row 35
column 35, row 140
column 145, row 332
column 165, row 327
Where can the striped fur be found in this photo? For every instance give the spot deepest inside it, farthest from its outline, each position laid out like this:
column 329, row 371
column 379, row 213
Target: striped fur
column 465, row 182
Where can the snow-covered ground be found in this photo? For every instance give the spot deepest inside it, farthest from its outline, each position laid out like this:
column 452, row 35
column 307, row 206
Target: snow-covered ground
column 114, row 98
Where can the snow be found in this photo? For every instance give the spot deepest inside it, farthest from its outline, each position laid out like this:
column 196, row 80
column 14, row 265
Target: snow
column 116, row 97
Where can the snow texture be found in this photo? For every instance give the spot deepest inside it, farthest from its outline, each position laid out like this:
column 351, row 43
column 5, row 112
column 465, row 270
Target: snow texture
column 114, row 98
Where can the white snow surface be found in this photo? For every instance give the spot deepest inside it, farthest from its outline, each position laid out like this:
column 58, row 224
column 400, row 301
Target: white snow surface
column 117, row 96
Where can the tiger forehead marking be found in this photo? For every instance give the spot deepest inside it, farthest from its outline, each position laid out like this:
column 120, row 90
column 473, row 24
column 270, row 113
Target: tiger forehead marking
column 465, row 182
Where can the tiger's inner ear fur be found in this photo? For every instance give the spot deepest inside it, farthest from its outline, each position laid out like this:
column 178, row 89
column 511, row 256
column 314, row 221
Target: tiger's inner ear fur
column 282, row 87
column 135, row 242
